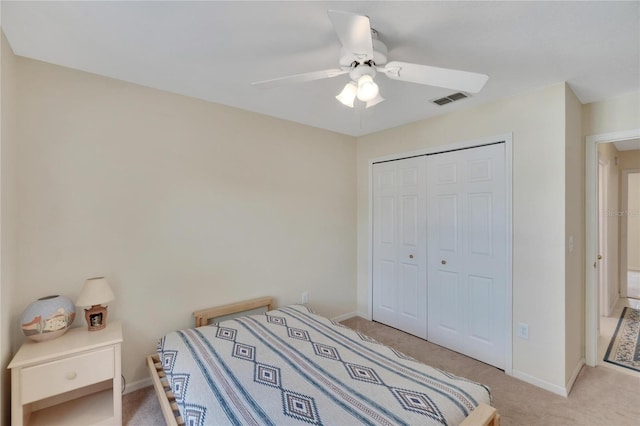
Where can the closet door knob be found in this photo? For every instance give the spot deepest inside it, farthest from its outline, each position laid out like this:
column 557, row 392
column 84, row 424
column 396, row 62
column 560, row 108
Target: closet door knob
column 444, row 262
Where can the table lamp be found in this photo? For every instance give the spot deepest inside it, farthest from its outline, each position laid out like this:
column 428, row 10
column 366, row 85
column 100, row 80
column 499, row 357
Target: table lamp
column 95, row 292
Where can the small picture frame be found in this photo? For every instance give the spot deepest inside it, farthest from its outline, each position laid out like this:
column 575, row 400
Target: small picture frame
column 96, row 317
column 95, row 320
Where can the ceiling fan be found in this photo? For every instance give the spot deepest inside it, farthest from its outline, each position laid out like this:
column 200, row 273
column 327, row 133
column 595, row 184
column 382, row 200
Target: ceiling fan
column 363, row 56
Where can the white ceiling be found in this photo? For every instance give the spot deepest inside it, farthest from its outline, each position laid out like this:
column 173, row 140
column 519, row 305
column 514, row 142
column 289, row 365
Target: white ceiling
column 628, row 145
column 213, row 50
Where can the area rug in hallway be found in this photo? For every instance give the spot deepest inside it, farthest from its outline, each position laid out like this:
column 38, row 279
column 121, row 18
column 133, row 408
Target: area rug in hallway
column 624, row 349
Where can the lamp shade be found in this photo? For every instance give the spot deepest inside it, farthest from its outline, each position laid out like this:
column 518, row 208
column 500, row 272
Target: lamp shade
column 375, row 101
column 95, row 291
column 367, row 88
column 348, row 94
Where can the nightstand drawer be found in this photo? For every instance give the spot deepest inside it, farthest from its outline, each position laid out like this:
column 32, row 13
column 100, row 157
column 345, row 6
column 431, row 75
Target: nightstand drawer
column 60, row 376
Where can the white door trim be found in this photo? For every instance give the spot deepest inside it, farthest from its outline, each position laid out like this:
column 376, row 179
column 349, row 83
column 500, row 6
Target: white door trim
column 508, row 140
column 603, row 243
column 591, row 252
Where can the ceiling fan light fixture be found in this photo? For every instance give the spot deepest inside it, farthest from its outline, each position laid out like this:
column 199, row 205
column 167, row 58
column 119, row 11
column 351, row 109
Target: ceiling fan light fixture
column 348, row 94
column 367, row 88
column 375, row 101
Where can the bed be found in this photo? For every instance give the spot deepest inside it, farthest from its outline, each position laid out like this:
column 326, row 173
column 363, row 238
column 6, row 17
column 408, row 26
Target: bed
column 290, row 366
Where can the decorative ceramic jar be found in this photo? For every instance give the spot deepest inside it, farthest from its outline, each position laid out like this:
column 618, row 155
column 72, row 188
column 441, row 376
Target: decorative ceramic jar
column 47, row 318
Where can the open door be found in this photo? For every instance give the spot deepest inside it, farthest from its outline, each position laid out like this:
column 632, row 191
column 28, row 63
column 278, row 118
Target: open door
column 603, row 257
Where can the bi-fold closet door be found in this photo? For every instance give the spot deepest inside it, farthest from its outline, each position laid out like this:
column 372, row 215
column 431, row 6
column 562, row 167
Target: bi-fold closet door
column 439, row 249
column 399, row 241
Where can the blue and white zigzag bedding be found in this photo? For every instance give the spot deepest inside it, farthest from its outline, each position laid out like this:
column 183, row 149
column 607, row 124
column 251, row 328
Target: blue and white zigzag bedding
column 290, row 366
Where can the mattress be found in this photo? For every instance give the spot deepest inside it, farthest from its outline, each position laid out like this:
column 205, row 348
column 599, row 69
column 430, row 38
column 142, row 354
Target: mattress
column 291, row 366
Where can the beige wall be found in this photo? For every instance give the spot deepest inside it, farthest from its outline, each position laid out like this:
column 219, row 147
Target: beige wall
column 608, row 154
column 574, row 230
column 8, row 217
column 537, row 121
column 612, row 115
column 629, row 159
column 180, row 203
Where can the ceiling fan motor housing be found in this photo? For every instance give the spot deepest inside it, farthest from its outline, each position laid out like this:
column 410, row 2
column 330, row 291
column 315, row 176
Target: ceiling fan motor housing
column 361, row 70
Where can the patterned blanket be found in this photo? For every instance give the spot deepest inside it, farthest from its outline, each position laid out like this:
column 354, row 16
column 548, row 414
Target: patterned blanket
column 290, row 366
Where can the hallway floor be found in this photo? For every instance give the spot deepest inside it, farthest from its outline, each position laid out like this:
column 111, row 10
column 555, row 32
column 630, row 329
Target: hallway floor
column 608, row 327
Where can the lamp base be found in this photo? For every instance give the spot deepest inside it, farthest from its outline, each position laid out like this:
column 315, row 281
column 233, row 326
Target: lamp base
column 96, row 317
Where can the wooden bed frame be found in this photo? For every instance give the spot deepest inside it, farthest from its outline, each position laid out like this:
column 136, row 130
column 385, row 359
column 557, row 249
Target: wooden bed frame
column 483, row 415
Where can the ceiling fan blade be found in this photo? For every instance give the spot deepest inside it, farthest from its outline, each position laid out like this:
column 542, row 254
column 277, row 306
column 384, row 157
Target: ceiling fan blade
column 299, row 78
column 354, row 32
column 433, row 76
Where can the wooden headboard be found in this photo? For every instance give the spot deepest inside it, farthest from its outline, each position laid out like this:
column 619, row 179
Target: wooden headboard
column 203, row 316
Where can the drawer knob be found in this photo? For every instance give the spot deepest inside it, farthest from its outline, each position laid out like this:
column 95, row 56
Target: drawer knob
column 72, row 375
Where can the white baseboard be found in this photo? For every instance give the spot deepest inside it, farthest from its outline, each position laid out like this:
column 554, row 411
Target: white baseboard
column 365, row 316
column 345, row 316
column 558, row 390
column 574, row 376
column 613, row 303
column 138, row 384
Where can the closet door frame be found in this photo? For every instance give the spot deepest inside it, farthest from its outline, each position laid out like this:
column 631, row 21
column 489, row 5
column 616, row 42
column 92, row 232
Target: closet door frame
column 508, row 141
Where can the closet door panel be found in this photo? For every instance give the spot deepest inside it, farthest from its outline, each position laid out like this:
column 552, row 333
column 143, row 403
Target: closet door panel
column 399, row 238
column 446, row 322
column 410, row 289
column 485, row 255
column 480, row 292
column 466, row 238
column 385, row 244
column 444, row 203
column 480, row 224
column 447, row 222
column 387, row 273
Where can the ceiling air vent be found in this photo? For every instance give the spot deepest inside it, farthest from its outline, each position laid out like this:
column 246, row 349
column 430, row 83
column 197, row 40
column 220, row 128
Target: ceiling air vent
column 450, row 98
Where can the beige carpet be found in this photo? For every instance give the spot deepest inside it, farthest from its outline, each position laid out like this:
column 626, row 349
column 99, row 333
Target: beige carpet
column 601, row 396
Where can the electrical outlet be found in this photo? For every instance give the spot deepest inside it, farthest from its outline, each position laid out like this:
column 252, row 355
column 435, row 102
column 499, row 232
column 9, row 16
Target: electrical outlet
column 304, row 297
column 523, row 331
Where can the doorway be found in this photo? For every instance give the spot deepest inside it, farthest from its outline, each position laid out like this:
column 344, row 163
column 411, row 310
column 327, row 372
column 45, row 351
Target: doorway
column 592, row 303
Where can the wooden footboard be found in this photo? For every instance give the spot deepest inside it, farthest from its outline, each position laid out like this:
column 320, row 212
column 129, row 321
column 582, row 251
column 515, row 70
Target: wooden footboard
column 483, row 415
column 163, row 391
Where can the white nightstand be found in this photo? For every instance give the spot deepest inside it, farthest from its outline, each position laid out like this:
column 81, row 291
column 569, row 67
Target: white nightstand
column 74, row 379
